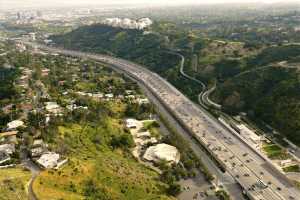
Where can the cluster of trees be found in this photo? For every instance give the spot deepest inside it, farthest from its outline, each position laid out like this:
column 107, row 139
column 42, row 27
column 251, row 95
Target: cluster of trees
column 139, row 111
column 271, row 94
column 124, row 141
column 147, row 49
column 190, row 162
column 7, row 78
column 189, row 166
column 9, row 72
column 222, row 195
column 228, row 67
column 151, row 50
column 256, row 35
column 275, row 54
column 256, row 28
column 9, row 94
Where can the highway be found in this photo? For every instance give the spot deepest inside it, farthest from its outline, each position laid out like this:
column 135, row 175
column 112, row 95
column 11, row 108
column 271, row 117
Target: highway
column 252, row 172
column 225, row 179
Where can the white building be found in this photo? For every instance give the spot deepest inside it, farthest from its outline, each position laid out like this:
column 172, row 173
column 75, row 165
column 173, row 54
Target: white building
column 8, row 148
column 142, row 101
column 45, row 72
column 81, row 93
column 144, row 23
column 53, row 107
column 131, row 123
column 98, row 95
column 109, row 96
column 161, row 152
column 37, row 151
column 49, row 160
column 38, row 143
column 130, row 97
column 47, row 119
column 128, row 92
column 127, row 23
column 74, row 107
column 14, row 124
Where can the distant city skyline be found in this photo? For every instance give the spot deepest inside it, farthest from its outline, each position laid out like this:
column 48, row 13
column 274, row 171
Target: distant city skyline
column 9, row 4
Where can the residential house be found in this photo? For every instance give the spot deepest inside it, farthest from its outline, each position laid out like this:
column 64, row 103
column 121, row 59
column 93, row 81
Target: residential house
column 13, row 125
column 48, row 160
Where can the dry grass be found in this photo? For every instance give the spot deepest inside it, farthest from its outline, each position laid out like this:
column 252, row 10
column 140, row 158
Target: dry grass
column 116, row 172
column 13, row 183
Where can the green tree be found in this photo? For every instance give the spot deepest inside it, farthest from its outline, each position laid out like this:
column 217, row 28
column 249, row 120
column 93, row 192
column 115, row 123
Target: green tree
column 174, row 189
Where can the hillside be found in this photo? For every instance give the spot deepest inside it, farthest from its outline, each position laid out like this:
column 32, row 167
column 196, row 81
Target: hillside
column 246, row 82
column 269, row 91
column 151, row 50
column 86, row 130
column 126, row 43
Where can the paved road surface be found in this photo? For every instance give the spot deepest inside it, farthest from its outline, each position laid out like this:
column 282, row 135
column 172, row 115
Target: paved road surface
column 35, row 171
column 228, row 182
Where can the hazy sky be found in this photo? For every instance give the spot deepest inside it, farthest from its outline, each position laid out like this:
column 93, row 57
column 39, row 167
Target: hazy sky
column 47, row 3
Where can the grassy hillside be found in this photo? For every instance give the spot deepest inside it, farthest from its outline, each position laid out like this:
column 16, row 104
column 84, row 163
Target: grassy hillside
column 13, row 183
column 95, row 141
column 276, row 54
column 108, row 174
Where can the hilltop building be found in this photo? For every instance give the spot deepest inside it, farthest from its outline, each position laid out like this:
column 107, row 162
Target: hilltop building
column 127, row 23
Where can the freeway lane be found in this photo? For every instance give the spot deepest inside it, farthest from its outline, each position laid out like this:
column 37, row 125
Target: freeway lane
column 204, row 100
column 203, row 97
column 241, row 162
column 226, row 179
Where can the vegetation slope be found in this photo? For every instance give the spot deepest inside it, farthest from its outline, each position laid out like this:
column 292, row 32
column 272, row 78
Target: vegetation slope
column 246, row 83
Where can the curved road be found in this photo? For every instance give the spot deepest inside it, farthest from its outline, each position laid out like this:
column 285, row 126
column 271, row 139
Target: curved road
column 35, row 171
column 31, row 194
column 207, row 100
column 203, row 97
